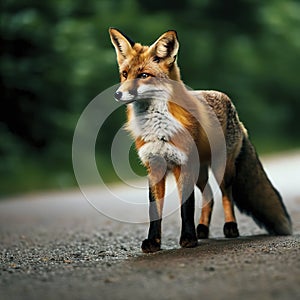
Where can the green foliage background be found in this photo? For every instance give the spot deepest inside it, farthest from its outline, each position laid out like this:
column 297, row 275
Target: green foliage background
column 56, row 57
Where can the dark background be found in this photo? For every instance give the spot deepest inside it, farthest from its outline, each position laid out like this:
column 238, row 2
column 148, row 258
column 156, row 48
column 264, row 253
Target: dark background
column 56, row 56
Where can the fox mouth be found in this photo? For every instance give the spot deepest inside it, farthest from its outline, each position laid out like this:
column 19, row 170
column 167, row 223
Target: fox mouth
column 126, row 101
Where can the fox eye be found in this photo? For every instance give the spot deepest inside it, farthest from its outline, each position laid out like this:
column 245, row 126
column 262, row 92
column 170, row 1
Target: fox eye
column 143, row 75
column 124, row 74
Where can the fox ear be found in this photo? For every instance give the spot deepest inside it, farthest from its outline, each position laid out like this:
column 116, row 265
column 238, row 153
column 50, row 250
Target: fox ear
column 123, row 45
column 166, row 47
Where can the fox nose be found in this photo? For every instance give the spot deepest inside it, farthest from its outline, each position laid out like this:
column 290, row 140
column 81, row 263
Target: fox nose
column 118, row 95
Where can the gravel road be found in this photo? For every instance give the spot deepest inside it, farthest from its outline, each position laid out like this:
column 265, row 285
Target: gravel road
column 57, row 246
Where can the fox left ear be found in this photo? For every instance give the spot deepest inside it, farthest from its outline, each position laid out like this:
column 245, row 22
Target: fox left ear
column 166, row 47
column 123, row 45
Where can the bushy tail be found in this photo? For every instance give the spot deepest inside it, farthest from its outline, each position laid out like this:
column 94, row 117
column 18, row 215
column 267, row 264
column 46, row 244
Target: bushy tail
column 254, row 194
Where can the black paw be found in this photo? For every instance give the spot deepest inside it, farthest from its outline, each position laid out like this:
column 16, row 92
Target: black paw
column 202, row 231
column 188, row 241
column 150, row 245
column 230, row 230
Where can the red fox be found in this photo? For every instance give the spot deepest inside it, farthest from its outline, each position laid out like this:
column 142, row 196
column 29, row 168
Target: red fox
column 171, row 126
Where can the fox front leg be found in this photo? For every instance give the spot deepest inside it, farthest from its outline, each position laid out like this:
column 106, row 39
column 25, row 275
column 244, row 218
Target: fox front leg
column 156, row 199
column 188, row 236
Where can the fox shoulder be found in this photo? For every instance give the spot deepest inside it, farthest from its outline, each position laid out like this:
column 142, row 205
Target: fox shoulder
column 223, row 107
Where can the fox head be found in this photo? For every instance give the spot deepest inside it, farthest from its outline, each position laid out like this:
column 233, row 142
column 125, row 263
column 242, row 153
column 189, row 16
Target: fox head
column 144, row 68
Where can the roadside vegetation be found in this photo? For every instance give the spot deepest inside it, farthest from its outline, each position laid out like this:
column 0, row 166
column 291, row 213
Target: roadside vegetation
column 56, row 56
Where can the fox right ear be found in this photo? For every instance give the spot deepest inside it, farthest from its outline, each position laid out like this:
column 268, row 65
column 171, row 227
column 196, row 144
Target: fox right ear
column 123, row 45
column 166, row 47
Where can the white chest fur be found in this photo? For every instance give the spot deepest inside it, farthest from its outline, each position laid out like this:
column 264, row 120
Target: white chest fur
column 156, row 126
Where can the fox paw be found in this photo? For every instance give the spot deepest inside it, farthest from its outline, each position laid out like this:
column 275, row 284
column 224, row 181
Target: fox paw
column 188, row 241
column 150, row 245
column 230, row 230
column 202, row 231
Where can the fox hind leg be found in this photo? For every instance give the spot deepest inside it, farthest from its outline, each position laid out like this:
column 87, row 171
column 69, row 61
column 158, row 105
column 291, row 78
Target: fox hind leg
column 207, row 203
column 230, row 228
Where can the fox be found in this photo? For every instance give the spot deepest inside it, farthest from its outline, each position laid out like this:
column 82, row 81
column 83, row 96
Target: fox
column 182, row 132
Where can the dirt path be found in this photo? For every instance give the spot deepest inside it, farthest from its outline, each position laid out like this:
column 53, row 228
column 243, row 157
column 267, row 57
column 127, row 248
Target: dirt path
column 57, row 246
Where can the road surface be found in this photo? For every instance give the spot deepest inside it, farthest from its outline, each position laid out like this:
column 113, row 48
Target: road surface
column 57, row 246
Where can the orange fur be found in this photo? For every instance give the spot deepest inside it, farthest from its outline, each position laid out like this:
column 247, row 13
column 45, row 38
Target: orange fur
column 139, row 142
